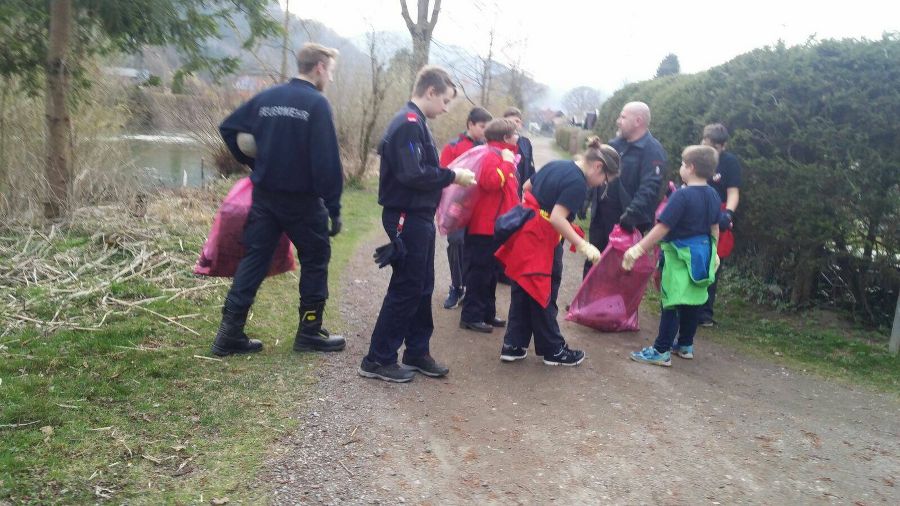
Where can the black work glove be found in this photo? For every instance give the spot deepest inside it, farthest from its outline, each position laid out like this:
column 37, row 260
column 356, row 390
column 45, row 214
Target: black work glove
column 627, row 222
column 726, row 220
column 335, row 225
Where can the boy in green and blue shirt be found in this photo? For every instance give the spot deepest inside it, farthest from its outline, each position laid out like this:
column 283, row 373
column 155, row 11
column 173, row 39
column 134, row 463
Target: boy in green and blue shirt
column 689, row 229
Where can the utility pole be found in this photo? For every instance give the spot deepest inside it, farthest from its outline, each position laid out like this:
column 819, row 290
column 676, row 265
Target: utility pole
column 894, row 346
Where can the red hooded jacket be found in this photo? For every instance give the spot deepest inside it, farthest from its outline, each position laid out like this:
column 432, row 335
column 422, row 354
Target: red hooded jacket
column 498, row 189
column 455, row 148
column 527, row 256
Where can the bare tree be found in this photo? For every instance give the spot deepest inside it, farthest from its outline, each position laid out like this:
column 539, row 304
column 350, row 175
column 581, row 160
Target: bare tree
column 59, row 123
column 421, row 30
column 486, row 70
column 581, row 99
column 371, row 109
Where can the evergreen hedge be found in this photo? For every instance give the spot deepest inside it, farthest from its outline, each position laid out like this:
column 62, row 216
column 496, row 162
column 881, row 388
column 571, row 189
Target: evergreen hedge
column 817, row 129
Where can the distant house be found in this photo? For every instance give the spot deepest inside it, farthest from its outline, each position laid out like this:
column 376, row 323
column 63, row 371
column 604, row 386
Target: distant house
column 250, row 84
column 132, row 75
column 550, row 119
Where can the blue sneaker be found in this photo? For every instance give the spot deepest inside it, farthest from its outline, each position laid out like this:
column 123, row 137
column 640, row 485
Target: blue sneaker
column 455, row 296
column 649, row 355
column 684, row 351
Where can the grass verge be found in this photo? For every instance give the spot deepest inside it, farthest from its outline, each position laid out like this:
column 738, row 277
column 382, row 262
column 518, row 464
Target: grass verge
column 816, row 341
column 137, row 411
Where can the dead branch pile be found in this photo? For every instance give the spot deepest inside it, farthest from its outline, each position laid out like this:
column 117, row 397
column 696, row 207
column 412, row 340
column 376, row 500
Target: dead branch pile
column 71, row 276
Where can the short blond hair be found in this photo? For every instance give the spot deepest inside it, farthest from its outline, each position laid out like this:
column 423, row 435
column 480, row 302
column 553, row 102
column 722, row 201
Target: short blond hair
column 499, row 129
column 311, row 54
column 513, row 111
column 704, row 159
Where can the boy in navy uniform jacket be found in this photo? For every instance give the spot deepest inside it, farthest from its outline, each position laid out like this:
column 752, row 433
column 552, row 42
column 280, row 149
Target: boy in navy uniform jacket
column 727, row 182
column 409, row 190
column 291, row 145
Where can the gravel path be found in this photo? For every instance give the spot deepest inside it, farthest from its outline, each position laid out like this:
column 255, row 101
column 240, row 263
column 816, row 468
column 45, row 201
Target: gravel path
column 721, row 429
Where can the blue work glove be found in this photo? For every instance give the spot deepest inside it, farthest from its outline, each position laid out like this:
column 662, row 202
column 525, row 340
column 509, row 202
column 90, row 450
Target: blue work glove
column 726, row 220
column 335, row 225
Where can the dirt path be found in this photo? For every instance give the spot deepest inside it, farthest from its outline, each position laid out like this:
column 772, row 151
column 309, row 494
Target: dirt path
column 721, row 429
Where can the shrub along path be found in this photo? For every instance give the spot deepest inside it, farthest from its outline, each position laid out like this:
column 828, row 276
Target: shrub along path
column 723, row 428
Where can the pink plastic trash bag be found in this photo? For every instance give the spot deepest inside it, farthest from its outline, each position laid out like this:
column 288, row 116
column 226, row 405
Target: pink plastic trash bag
column 457, row 202
column 224, row 248
column 609, row 297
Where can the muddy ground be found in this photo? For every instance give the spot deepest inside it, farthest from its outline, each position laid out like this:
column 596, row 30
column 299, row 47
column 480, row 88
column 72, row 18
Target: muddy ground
column 720, row 429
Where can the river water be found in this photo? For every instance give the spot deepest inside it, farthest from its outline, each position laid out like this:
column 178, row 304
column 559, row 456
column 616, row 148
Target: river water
column 169, row 159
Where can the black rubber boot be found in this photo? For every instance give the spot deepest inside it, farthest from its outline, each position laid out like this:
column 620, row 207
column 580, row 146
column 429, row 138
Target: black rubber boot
column 311, row 336
column 230, row 338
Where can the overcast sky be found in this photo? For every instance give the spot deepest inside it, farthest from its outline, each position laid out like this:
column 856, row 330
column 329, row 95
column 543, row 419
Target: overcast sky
column 568, row 43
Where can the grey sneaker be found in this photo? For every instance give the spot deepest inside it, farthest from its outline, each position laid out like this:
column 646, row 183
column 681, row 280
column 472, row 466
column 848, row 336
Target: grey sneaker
column 392, row 372
column 425, row 365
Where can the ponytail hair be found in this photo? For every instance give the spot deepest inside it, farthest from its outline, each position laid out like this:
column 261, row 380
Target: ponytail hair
column 597, row 151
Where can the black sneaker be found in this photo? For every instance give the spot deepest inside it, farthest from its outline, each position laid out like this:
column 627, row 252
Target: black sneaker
column 476, row 326
column 512, row 353
column 566, row 357
column 708, row 323
column 392, row 372
column 495, row 322
column 454, row 297
column 425, row 365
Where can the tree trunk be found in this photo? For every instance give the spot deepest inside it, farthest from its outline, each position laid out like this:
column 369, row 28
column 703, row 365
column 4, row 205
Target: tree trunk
column 57, row 110
column 487, row 72
column 420, row 31
column 284, row 42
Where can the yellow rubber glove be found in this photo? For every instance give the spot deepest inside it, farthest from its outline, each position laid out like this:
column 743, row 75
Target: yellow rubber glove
column 589, row 251
column 631, row 256
column 464, row 177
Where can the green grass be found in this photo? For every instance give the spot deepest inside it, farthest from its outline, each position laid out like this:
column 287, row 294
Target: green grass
column 130, row 413
column 815, row 341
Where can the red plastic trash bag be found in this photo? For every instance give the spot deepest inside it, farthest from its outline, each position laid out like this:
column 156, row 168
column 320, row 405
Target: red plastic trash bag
column 457, row 202
column 610, row 296
column 224, row 247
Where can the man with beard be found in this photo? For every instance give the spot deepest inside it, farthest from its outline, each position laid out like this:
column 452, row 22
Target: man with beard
column 286, row 135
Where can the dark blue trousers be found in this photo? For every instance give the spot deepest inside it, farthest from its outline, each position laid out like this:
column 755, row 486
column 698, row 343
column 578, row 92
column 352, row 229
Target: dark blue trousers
column 527, row 317
column 706, row 310
column 304, row 219
column 405, row 315
column 482, row 272
column 455, row 245
column 680, row 321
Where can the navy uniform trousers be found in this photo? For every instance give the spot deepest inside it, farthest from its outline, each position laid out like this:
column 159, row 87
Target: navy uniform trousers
column 482, row 272
column 304, row 219
column 527, row 317
column 405, row 315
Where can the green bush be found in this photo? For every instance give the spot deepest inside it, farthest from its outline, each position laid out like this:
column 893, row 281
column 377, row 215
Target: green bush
column 815, row 128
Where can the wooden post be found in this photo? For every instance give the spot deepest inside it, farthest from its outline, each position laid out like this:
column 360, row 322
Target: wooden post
column 894, row 346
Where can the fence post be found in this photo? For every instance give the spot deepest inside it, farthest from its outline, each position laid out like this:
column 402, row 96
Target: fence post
column 894, row 346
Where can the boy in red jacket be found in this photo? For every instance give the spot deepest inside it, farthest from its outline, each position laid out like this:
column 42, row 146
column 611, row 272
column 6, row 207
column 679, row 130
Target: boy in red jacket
column 473, row 136
column 498, row 192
